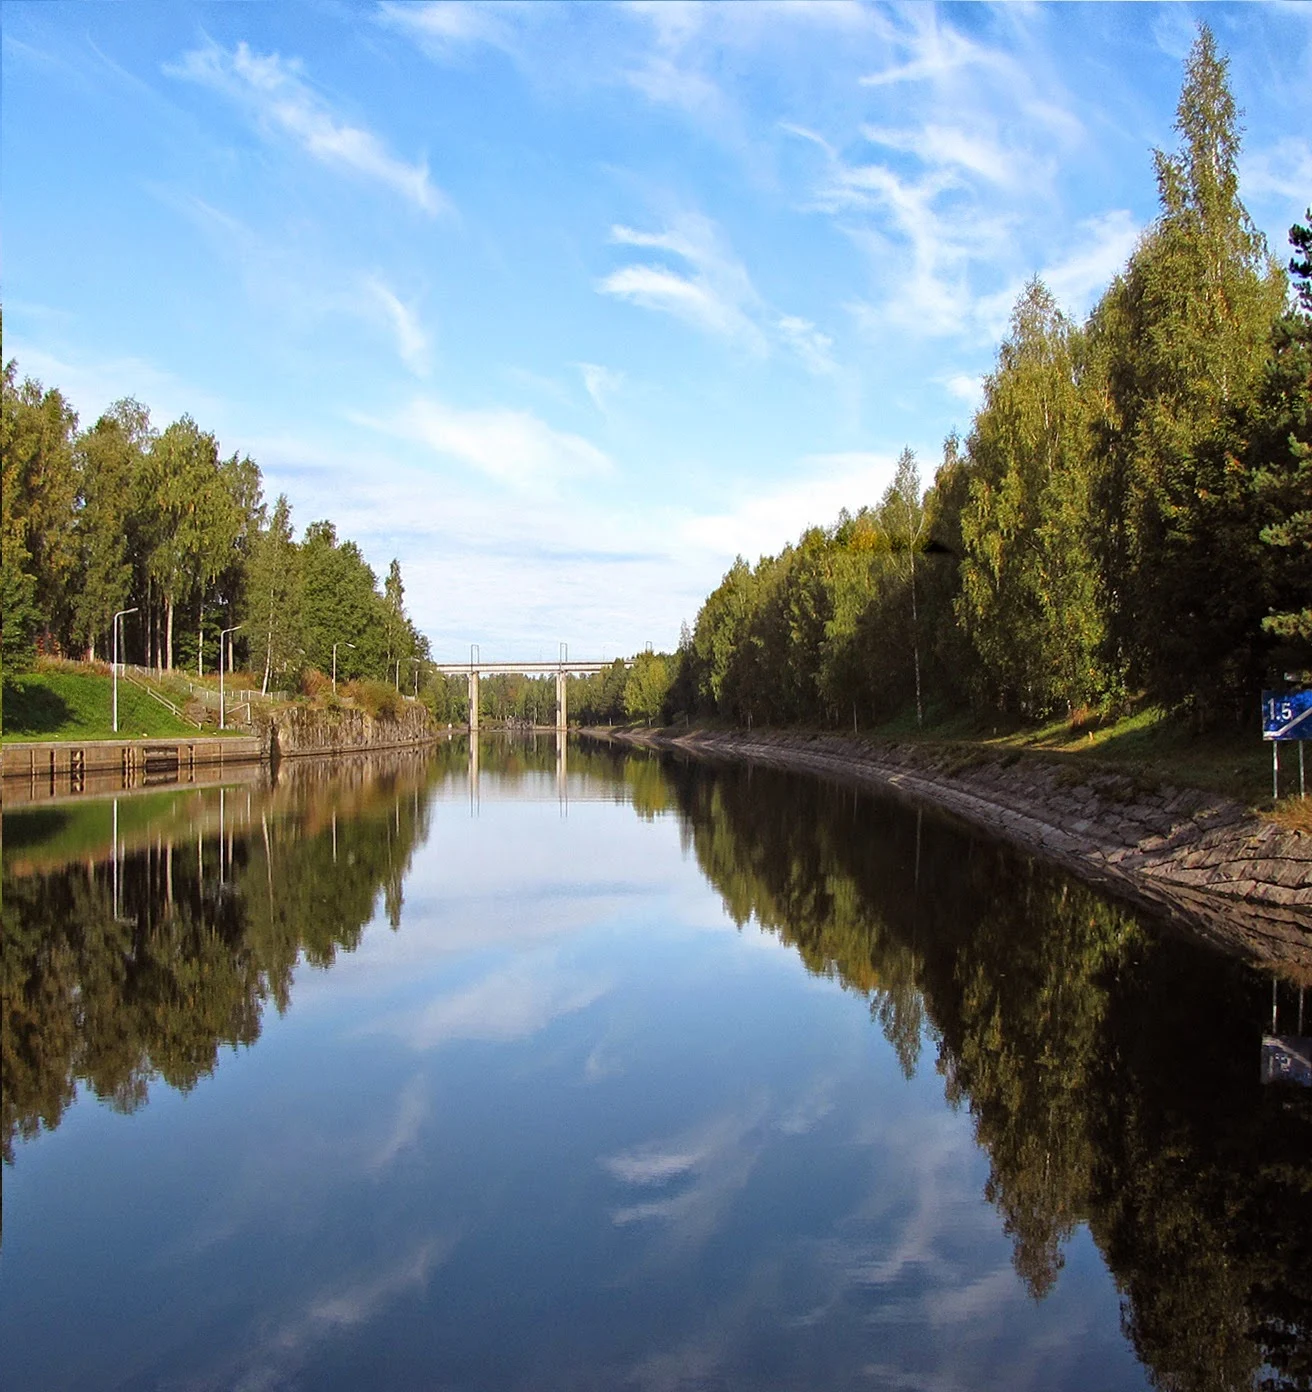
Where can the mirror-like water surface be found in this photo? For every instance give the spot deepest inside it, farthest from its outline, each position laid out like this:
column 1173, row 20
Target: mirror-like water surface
column 612, row 1072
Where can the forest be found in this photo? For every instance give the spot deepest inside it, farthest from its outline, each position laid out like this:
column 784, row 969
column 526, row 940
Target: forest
column 1128, row 520
column 123, row 515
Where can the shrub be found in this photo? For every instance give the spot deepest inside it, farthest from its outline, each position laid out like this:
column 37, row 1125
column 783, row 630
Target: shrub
column 375, row 698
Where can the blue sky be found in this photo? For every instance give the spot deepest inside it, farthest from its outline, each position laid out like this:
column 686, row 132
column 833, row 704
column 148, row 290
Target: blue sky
column 565, row 306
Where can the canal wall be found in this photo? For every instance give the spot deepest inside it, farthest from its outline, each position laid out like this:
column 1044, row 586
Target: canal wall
column 1239, row 878
column 40, row 770
column 299, row 730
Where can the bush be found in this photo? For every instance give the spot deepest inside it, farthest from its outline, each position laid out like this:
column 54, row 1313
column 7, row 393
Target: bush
column 375, row 698
column 315, row 684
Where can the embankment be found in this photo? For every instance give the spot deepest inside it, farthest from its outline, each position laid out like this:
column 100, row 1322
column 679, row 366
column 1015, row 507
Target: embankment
column 1240, row 879
column 299, row 730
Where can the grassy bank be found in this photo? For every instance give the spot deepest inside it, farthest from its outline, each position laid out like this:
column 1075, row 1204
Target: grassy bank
column 59, row 705
column 1150, row 747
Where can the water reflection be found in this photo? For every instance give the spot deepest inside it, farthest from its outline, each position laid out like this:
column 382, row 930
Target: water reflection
column 730, row 1189
column 1109, row 1067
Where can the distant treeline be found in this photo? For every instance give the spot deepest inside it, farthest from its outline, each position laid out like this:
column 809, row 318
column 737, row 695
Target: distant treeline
column 124, row 516
column 1130, row 515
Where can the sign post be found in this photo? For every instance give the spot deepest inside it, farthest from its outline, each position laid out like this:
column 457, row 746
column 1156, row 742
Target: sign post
column 1286, row 715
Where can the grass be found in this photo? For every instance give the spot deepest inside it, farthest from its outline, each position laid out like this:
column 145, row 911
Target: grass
column 64, row 705
column 1149, row 746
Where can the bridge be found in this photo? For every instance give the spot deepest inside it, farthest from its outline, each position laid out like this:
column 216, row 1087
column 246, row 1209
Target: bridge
column 563, row 667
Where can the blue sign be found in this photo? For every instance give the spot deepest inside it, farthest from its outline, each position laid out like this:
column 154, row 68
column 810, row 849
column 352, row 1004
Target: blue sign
column 1287, row 715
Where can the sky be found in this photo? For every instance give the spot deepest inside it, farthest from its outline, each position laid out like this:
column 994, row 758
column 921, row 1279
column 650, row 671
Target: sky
column 564, row 306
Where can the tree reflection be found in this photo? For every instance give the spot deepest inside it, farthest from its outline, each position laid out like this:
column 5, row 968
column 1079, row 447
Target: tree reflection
column 210, row 925
column 1109, row 1065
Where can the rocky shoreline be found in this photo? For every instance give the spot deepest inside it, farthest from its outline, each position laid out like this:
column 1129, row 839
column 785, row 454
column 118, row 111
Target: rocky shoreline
column 1238, row 878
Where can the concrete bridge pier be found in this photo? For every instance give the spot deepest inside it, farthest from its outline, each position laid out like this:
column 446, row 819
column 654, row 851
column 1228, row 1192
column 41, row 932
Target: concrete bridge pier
column 473, row 701
column 562, row 718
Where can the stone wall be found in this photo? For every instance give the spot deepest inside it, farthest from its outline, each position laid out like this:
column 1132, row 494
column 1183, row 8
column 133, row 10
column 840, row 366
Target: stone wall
column 300, row 729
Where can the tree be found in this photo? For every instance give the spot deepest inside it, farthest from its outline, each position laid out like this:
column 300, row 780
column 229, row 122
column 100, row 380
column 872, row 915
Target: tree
column 647, row 686
column 110, row 458
column 1029, row 585
column 1280, row 458
column 1300, row 264
column 273, row 599
column 36, row 512
column 902, row 516
column 1181, row 339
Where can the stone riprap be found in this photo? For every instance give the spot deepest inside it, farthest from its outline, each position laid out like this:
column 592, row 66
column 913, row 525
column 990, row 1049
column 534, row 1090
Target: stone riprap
column 1237, row 877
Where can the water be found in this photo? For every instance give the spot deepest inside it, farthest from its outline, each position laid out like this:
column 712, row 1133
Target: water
column 625, row 1073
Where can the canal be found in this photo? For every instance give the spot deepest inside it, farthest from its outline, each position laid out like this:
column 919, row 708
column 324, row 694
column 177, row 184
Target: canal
column 592, row 1069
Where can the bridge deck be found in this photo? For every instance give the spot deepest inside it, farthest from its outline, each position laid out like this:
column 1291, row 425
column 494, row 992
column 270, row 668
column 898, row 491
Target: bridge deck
column 527, row 669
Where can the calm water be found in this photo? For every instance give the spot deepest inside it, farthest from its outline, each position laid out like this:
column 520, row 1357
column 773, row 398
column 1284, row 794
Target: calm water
column 628, row 1073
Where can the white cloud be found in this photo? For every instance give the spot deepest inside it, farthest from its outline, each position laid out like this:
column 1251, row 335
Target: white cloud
column 966, row 388
column 92, row 385
column 932, row 52
column 766, row 519
column 951, row 147
column 1088, row 268
column 1076, row 279
column 1283, row 170
column 411, row 340
column 813, row 348
column 509, row 446
column 601, row 383
column 276, row 93
column 516, row 1003
column 714, row 294
column 445, row 27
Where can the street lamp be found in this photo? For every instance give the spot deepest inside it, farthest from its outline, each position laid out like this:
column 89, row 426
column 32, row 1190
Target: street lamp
column 114, row 627
column 335, row 646
column 222, row 639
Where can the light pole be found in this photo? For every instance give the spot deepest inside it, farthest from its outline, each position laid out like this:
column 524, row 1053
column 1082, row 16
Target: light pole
column 114, row 630
column 222, row 639
column 335, row 647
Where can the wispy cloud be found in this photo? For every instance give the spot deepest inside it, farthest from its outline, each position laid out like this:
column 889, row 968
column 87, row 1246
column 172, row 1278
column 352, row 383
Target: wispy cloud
column 710, row 289
column 509, row 446
column 813, row 348
column 411, row 340
column 601, row 384
column 446, row 28
column 1283, row 170
column 707, row 287
column 275, row 92
column 515, row 1003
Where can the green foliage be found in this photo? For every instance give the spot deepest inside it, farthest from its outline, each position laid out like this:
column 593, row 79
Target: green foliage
column 122, row 517
column 1130, row 518
column 647, row 687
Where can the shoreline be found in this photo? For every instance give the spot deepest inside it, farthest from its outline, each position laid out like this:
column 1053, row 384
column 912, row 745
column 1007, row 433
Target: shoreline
column 1193, row 856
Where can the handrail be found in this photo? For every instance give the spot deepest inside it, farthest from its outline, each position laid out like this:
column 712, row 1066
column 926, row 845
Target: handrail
column 163, row 700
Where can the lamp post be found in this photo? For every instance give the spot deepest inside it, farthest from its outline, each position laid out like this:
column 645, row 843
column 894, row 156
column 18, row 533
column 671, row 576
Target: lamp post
column 223, row 636
column 335, row 647
column 114, row 626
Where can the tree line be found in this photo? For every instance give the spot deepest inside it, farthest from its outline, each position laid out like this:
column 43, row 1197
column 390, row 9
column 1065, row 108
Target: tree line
column 123, row 515
column 1129, row 515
